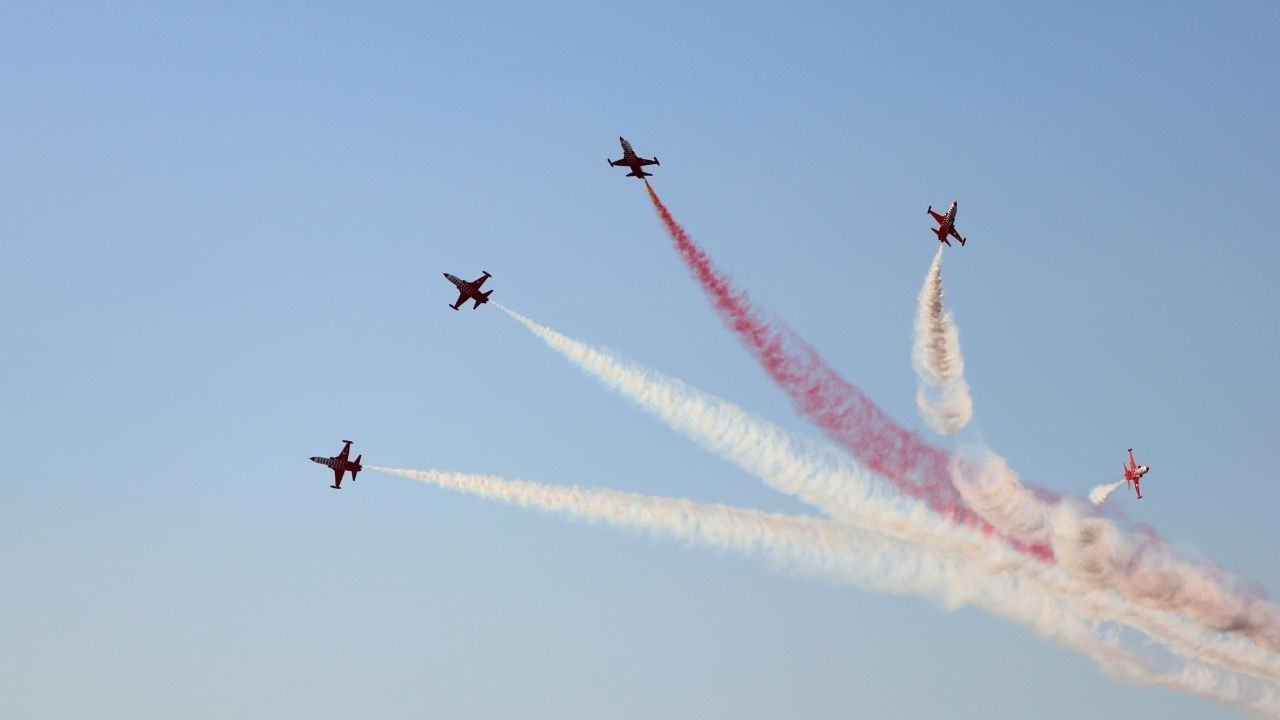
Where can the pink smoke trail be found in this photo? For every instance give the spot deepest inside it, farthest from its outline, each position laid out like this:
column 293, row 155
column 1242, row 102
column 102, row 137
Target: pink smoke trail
column 820, row 394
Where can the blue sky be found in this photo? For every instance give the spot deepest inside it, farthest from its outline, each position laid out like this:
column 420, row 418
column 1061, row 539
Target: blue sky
column 224, row 227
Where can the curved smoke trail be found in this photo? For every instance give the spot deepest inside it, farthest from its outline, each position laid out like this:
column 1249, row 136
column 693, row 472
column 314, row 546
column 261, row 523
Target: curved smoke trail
column 820, row 394
column 826, row 478
column 845, row 554
column 942, row 395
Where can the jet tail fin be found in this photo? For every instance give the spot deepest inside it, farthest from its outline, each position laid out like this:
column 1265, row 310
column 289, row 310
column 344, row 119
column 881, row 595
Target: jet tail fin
column 482, row 298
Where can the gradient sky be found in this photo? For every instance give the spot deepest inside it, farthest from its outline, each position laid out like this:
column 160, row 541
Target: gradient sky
column 223, row 227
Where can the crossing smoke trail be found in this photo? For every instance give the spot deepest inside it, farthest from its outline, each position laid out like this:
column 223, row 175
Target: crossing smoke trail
column 819, row 393
column 942, row 395
column 845, row 554
column 1138, row 564
column 826, row 479
column 1099, row 554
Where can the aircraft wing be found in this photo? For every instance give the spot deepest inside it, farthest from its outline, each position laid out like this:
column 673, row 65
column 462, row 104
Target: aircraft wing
column 479, row 281
column 337, row 476
column 645, row 161
column 955, row 234
column 346, row 450
column 939, row 218
column 462, row 297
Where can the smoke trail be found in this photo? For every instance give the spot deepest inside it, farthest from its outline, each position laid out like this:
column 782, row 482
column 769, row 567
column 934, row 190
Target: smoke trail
column 825, row 478
column 785, row 461
column 819, row 393
column 845, row 554
column 1101, row 493
column 1141, row 567
column 942, row 395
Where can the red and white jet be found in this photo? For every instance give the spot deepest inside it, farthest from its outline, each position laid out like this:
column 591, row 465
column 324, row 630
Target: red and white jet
column 470, row 290
column 633, row 161
column 946, row 225
column 1133, row 473
column 341, row 464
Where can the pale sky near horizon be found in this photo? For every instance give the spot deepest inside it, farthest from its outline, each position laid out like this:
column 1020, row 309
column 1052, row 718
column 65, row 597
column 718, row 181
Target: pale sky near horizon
column 224, row 228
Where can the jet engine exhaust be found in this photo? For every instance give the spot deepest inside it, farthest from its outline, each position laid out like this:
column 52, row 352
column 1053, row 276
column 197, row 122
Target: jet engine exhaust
column 942, row 395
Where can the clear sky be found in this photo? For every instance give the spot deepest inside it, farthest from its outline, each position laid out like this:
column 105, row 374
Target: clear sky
column 223, row 227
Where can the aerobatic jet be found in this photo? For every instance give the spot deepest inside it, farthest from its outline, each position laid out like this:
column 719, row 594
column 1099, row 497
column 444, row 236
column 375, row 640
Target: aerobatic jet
column 1133, row 473
column 946, row 225
column 633, row 161
column 341, row 464
column 470, row 290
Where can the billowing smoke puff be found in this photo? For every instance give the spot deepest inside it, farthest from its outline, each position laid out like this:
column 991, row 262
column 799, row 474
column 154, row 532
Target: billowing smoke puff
column 997, row 494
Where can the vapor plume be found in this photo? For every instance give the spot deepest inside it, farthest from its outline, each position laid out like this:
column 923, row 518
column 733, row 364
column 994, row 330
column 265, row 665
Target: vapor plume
column 942, row 395
column 1101, row 493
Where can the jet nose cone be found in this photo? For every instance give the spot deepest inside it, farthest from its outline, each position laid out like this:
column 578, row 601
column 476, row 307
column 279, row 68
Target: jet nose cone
column 317, row 460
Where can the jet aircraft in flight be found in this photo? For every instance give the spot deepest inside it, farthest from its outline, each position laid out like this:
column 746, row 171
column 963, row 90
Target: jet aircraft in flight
column 470, row 290
column 633, row 161
column 341, row 464
column 1133, row 473
column 946, row 225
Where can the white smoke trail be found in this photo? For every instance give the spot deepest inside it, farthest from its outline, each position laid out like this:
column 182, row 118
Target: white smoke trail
column 942, row 395
column 829, row 480
column 846, row 554
column 1101, row 493
column 785, row 461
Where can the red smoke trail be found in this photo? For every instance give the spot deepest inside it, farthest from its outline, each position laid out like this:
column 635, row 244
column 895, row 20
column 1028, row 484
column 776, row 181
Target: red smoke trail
column 819, row 393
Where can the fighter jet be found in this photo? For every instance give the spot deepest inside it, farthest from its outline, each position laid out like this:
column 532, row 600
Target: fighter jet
column 633, row 161
column 341, row 464
column 470, row 290
column 947, row 225
column 1133, row 473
